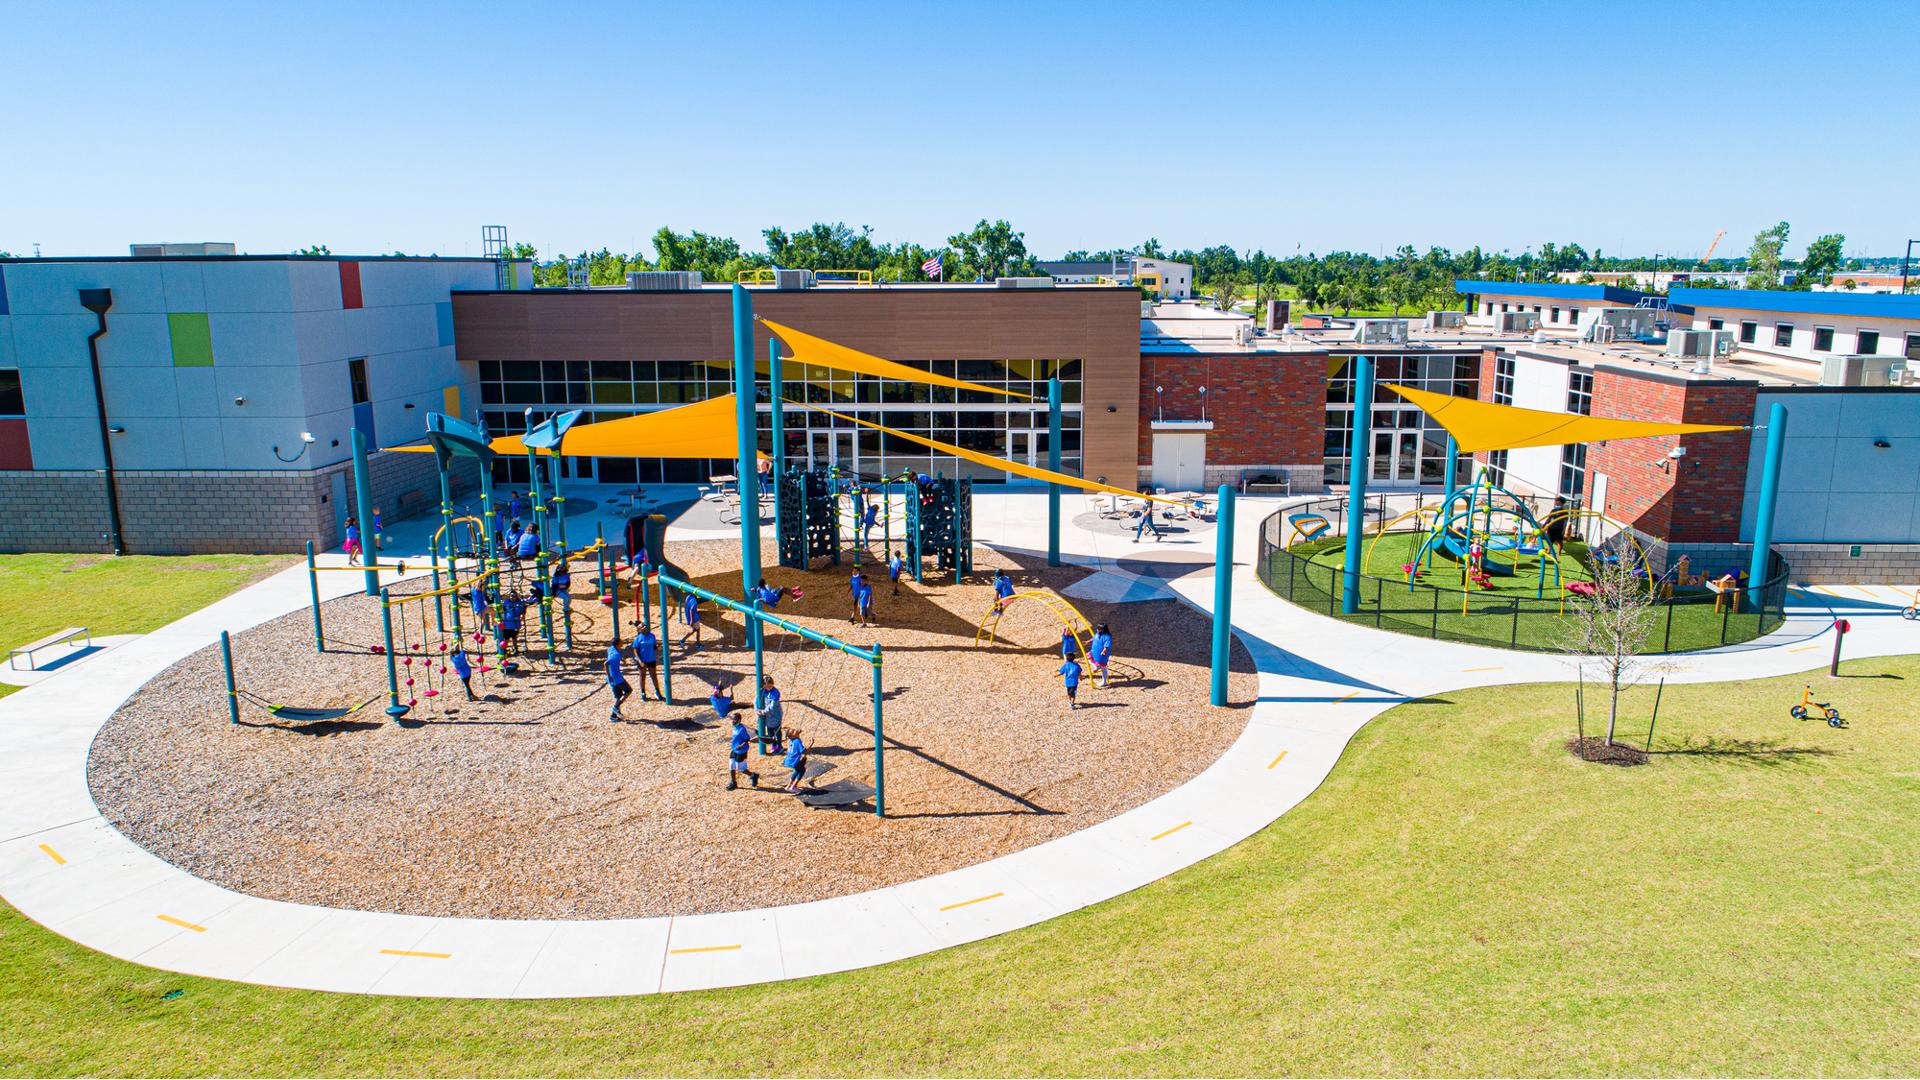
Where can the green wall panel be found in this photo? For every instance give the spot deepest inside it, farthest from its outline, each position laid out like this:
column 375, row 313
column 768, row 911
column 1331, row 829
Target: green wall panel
column 192, row 340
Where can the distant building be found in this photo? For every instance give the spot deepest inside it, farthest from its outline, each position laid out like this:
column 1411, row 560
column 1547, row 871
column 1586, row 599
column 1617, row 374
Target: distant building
column 1167, row 280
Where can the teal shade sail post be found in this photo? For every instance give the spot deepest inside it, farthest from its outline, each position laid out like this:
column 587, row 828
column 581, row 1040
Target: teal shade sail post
column 1357, row 470
column 433, row 557
column 1453, row 464
column 233, row 691
column 1769, row 499
column 666, row 637
column 1222, row 594
column 363, row 509
column 747, row 470
column 1053, row 464
column 313, row 591
column 776, row 398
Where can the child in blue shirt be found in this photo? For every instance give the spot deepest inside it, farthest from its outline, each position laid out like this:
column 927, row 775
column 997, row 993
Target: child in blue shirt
column 895, row 564
column 873, row 518
column 646, row 649
column 482, row 608
column 1069, row 645
column 737, row 747
column 511, row 608
column 1100, row 652
column 351, row 545
column 616, row 682
column 528, row 545
column 771, row 715
column 1002, row 589
column 464, row 669
column 722, row 701
column 690, row 614
column 865, row 604
column 854, row 581
column 562, row 582
column 796, row 759
column 1070, row 678
column 379, row 538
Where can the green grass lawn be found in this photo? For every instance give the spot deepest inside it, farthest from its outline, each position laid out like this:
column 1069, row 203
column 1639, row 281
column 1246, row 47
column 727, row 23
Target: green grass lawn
column 1490, row 614
column 1460, row 896
column 133, row 594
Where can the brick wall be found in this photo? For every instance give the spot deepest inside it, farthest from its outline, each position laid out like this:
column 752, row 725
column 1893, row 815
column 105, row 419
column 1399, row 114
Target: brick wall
column 1695, row 499
column 1268, row 410
column 193, row 512
column 1812, row 564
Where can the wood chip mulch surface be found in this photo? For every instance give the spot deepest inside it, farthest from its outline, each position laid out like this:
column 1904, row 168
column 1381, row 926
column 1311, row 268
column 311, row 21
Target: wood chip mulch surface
column 531, row 803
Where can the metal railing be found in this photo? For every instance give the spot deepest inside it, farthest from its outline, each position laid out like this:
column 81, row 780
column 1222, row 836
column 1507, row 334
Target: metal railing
column 1684, row 622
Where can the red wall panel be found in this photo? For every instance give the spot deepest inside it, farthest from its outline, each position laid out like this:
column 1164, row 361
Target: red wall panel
column 15, row 451
column 349, row 284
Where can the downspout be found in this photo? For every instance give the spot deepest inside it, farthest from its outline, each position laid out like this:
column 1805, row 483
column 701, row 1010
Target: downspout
column 98, row 301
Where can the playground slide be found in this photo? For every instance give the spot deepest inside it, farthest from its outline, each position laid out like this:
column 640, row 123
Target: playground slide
column 1456, row 546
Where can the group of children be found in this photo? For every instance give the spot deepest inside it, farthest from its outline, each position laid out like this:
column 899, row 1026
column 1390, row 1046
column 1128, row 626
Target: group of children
column 860, row 590
column 351, row 544
column 1099, row 647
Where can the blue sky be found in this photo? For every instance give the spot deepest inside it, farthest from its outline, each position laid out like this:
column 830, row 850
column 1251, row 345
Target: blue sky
column 380, row 127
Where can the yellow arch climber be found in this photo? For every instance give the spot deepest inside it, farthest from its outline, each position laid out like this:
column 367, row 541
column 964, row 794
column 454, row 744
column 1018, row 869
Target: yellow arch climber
column 1068, row 615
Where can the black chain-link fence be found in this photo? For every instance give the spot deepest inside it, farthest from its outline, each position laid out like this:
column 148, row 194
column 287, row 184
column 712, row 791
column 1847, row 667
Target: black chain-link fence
column 1684, row 622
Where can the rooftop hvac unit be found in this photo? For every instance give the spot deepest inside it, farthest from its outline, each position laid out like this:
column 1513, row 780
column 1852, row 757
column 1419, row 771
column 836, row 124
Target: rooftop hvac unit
column 1023, row 283
column 1623, row 324
column 663, row 280
column 1519, row 322
column 1446, row 320
column 148, row 251
column 1859, row 370
column 1380, row 331
column 1704, row 343
column 1243, row 333
column 792, row 279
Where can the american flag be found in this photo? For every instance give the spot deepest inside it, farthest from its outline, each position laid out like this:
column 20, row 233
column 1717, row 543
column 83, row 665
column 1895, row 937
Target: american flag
column 931, row 267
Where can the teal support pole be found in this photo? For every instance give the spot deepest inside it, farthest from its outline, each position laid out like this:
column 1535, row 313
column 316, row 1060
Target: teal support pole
column 546, row 600
column 879, row 740
column 454, row 601
column 645, row 614
column 394, row 708
column 1453, row 464
column 439, row 613
column 363, row 509
column 1357, row 481
column 1769, row 499
column 1053, row 463
column 233, row 692
column 777, row 397
column 313, row 590
column 666, row 638
column 754, row 627
column 538, row 490
column 1222, row 593
column 748, row 470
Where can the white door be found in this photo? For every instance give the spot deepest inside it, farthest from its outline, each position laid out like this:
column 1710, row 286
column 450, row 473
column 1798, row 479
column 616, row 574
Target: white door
column 1179, row 460
column 825, row 448
column 1027, row 447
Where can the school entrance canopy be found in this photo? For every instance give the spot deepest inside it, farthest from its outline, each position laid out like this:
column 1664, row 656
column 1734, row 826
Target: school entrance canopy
column 1481, row 425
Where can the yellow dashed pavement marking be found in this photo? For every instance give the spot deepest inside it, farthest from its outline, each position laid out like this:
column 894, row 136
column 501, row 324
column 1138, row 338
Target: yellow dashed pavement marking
column 414, row 952
column 1804, row 648
column 1349, row 697
column 58, row 858
column 1276, row 759
column 975, row 900
column 182, row 923
column 1177, row 828
column 1467, row 670
column 703, row 948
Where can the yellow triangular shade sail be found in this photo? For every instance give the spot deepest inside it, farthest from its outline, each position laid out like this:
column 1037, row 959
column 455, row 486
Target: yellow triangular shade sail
column 1016, row 468
column 1481, row 425
column 704, row 429
column 820, row 352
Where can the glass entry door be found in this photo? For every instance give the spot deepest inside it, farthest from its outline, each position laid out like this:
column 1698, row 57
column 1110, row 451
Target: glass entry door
column 1028, row 447
column 1396, row 458
column 828, row 448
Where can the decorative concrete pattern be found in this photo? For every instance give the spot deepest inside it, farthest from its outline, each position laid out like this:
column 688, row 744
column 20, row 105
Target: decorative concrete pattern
column 1320, row 681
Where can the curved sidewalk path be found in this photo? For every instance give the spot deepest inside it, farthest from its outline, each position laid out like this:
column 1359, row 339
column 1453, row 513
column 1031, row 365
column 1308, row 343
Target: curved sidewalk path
column 64, row 867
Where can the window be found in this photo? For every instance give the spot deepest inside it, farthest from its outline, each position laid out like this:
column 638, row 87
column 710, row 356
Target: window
column 1913, row 347
column 1503, row 380
column 357, row 375
column 1823, row 339
column 1716, row 324
column 12, row 401
column 1489, row 306
column 1749, row 333
column 1503, row 307
column 1573, row 457
column 1497, row 466
column 1783, row 335
column 1553, row 315
column 1866, row 342
column 1536, row 309
column 1580, row 393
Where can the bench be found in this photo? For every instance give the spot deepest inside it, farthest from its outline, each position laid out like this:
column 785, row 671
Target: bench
column 67, row 635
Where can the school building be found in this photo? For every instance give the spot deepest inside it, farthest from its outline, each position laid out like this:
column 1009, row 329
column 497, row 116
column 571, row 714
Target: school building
column 214, row 370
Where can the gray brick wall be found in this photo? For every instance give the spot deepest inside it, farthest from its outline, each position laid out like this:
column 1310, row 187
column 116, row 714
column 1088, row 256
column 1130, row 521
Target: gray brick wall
column 1813, row 564
column 197, row 512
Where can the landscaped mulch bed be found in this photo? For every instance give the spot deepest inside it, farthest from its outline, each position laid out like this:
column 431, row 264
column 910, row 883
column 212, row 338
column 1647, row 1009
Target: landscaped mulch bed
column 532, row 804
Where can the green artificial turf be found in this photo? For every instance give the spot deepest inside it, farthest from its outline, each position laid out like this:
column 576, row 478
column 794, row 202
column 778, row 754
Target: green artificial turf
column 1519, row 610
column 1461, row 896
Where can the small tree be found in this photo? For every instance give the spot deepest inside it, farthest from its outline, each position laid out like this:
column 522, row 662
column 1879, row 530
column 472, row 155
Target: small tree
column 1608, row 629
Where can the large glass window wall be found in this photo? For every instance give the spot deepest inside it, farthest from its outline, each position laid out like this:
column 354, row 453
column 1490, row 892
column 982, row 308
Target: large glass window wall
column 1407, row 448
